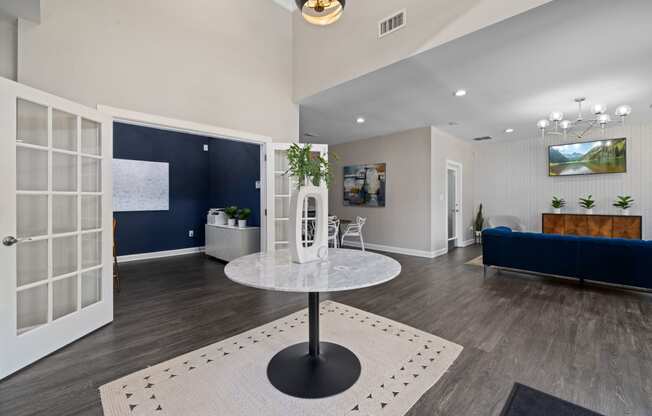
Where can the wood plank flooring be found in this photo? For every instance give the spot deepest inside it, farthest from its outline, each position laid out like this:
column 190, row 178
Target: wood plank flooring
column 589, row 345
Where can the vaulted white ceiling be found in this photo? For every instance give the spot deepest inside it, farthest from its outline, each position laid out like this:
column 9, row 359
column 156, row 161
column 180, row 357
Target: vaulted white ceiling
column 515, row 71
column 286, row 4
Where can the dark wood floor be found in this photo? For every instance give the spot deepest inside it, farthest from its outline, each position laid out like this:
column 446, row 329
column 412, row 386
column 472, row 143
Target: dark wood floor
column 589, row 345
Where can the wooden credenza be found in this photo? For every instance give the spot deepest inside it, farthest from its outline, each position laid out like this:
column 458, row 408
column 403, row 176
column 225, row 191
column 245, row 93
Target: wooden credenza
column 614, row 226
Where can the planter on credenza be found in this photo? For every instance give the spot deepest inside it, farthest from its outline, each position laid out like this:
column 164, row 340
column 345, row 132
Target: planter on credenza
column 624, row 211
column 231, row 222
column 242, row 223
column 556, row 210
column 588, row 211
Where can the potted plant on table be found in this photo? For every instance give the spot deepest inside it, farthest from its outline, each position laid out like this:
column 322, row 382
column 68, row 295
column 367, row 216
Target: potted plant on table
column 313, row 174
column 231, row 213
column 588, row 204
column 624, row 202
column 243, row 216
column 557, row 204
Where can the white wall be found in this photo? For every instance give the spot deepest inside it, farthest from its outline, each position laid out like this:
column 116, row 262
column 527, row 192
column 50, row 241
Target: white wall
column 413, row 220
column 8, row 44
column 512, row 178
column 403, row 222
column 327, row 56
column 445, row 147
column 224, row 63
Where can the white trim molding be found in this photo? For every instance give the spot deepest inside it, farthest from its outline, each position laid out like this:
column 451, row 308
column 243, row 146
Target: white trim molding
column 398, row 250
column 159, row 254
column 466, row 243
column 183, row 126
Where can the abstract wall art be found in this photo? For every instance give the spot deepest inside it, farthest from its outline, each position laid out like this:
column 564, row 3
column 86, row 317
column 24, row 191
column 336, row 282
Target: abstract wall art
column 140, row 186
column 364, row 185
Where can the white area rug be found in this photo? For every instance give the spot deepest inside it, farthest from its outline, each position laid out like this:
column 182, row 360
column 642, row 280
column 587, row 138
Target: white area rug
column 399, row 364
column 476, row 261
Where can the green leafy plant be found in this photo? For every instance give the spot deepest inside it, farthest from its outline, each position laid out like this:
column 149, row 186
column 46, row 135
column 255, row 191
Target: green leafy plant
column 588, row 202
column 231, row 212
column 244, row 214
column 624, row 202
column 479, row 219
column 558, row 202
column 306, row 166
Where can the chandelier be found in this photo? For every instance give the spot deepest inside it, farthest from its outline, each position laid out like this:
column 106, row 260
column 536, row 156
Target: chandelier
column 556, row 124
column 321, row 12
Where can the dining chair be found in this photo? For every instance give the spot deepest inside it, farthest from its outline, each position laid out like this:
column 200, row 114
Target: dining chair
column 334, row 231
column 355, row 230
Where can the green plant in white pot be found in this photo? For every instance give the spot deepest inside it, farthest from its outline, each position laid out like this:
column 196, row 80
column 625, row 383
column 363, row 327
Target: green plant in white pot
column 231, row 213
column 588, row 204
column 624, row 202
column 478, row 224
column 243, row 216
column 312, row 173
column 557, row 204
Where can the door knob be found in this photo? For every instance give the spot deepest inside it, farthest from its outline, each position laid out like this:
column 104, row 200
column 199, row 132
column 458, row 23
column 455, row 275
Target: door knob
column 11, row 240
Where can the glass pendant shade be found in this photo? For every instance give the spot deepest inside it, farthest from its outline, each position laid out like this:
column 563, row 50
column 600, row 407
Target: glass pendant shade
column 604, row 119
column 599, row 109
column 321, row 12
column 623, row 111
column 556, row 116
column 543, row 123
column 565, row 125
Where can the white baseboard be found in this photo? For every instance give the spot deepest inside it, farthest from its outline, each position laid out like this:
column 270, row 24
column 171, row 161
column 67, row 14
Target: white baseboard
column 467, row 243
column 398, row 250
column 159, row 254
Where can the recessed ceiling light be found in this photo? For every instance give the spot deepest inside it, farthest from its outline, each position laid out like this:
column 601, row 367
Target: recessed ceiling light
column 360, row 120
column 509, row 130
column 460, row 93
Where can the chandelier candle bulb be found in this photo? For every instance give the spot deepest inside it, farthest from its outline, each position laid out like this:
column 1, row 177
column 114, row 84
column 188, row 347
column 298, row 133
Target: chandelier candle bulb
column 556, row 116
column 599, row 109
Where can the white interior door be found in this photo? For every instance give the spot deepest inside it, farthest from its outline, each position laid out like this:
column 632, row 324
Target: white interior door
column 280, row 189
column 55, row 223
column 454, row 222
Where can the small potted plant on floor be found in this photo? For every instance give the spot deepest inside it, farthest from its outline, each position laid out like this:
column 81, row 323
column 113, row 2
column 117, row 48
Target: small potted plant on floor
column 588, row 204
column 557, row 204
column 231, row 213
column 624, row 202
column 243, row 215
column 478, row 224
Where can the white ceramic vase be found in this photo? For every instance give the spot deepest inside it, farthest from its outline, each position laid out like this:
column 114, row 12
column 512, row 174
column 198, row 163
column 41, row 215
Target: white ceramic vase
column 231, row 222
column 556, row 210
column 625, row 211
column 588, row 211
column 242, row 223
column 298, row 252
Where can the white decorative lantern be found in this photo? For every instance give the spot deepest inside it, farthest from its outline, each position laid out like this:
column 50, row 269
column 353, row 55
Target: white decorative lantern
column 298, row 252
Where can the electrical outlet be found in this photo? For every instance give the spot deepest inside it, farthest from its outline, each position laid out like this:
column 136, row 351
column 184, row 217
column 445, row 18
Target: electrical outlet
column 191, row 233
column 257, row 184
column 205, row 148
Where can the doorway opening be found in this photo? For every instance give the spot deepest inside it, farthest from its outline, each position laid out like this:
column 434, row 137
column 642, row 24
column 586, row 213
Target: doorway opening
column 453, row 205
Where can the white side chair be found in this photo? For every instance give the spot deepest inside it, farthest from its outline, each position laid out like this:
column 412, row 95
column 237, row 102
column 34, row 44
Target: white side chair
column 334, row 232
column 355, row 230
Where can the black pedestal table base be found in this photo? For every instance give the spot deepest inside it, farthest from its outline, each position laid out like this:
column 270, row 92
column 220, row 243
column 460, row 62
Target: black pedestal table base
column 314, row 369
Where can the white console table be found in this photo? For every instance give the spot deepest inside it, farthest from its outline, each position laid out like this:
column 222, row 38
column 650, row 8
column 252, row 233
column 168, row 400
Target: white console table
column 227, row 243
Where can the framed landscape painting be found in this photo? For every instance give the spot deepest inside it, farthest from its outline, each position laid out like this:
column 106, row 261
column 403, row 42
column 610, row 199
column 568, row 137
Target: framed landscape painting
column 364, row 185
column 587, row 158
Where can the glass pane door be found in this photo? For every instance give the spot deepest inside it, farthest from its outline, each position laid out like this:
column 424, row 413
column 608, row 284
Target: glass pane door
column 58, row 216
column 55, row 227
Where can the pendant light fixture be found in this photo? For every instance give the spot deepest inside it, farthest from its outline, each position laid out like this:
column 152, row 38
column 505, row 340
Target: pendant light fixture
column 321, row 12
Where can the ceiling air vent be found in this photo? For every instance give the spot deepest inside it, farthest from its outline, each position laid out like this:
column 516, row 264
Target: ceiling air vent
column 392, row 24
column 483, row 138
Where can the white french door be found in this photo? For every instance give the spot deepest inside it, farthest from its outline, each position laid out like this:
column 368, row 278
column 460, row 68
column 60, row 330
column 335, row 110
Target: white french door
column 280, row 188
column 55, row 223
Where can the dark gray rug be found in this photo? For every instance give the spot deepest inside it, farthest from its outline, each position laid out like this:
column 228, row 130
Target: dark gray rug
column 526, row 401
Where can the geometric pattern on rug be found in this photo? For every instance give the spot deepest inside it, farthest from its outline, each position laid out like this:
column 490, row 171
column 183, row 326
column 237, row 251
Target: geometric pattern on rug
column 399, row 364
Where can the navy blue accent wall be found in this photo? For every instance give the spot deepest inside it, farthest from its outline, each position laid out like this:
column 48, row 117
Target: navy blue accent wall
column 199, row 180
column 234, row 170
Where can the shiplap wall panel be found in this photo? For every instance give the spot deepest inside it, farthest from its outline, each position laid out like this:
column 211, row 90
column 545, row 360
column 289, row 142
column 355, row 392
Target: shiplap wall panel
column 512, row 178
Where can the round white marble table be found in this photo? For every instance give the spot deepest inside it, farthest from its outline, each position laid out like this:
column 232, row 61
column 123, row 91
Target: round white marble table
column 313, row 369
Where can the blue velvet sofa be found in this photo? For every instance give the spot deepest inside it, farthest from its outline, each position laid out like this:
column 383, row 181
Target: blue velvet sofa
column 609, row 260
